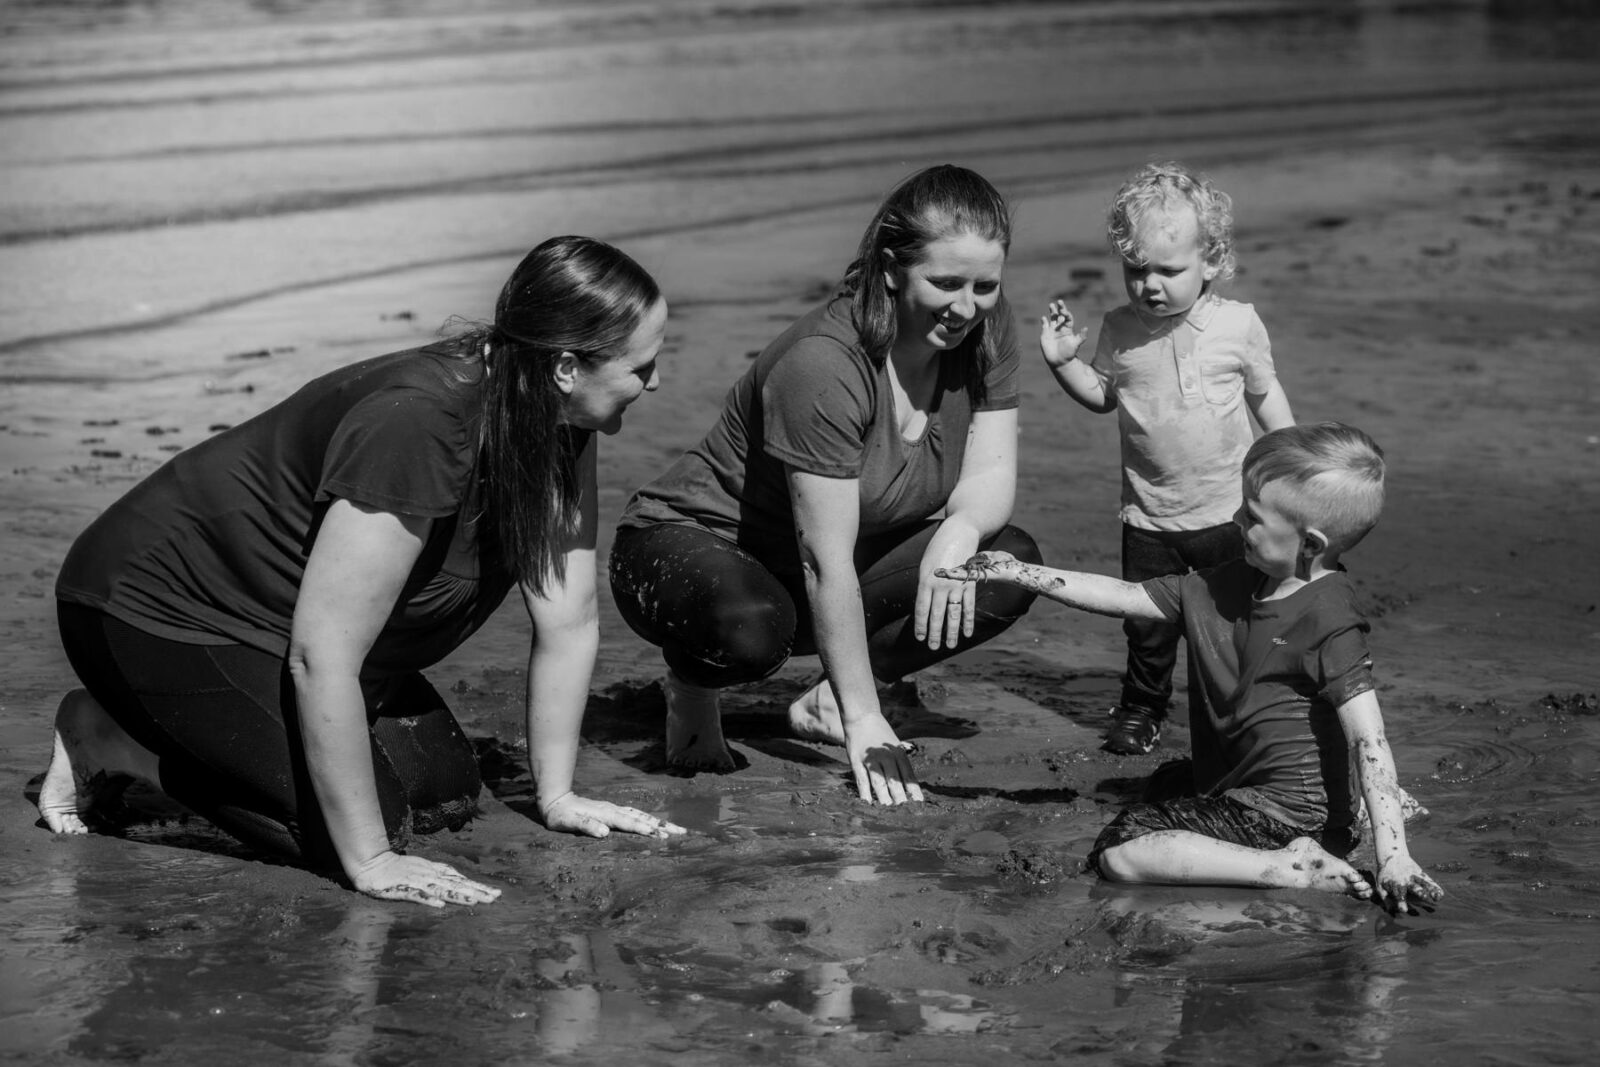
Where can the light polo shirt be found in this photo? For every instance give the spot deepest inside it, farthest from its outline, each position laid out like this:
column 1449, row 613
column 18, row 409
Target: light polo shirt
column 1180, row 386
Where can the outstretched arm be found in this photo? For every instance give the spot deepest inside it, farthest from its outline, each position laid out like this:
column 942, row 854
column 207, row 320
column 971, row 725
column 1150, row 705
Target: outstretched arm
column 1399, row 877
column 1098, row 593
column 566, row 637
column 357, row 567
column 1059, row 344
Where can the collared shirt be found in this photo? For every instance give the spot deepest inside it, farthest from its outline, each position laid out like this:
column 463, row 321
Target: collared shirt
column 1180, row 386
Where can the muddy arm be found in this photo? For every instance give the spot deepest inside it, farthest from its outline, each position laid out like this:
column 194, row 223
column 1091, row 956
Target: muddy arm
column 1098, row 593
column 1399, row 876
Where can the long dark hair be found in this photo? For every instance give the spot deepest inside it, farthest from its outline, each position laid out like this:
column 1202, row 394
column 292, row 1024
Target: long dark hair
column 570, row 294
column 941, row 201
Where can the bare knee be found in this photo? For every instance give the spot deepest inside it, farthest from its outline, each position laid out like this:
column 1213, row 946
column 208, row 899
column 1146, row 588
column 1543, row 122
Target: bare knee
column 1116, row 865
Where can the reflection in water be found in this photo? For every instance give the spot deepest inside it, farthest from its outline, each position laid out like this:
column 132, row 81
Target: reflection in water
column 359, row 944
column 835, row 1003
column 569, row 1009
column 1216, row 970
column 711, row 815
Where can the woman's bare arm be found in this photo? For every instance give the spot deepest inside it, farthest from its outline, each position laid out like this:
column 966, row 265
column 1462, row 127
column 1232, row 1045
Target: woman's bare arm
column 357, row 567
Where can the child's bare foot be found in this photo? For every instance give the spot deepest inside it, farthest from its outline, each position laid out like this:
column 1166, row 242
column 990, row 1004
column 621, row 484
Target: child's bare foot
column 815, row 715
column 1307, row 865
column 93, row 760
column 694, row 727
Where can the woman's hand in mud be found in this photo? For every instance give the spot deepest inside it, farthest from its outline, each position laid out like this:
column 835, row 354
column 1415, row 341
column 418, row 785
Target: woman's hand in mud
column 573, row 814
column 985, row 566
column 880, row 761
column 391, row 876
column 1404, row 889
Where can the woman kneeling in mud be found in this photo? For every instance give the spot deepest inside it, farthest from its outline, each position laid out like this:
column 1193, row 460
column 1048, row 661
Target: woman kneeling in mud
column 250, row 622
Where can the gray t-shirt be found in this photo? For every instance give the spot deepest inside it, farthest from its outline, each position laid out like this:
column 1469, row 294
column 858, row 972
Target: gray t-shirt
column 814, row 401
column 1264, row 722
column 211, row 548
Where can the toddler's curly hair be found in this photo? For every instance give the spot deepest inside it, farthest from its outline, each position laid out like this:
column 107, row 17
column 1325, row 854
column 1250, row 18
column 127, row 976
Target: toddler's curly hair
column 1156, row 190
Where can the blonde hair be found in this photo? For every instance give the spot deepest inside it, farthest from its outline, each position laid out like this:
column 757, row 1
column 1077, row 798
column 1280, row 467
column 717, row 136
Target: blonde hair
column 1154, row 193
column 1332, row 474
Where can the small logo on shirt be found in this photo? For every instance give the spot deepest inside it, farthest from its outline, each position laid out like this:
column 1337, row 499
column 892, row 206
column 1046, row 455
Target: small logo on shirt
column 1280, row 640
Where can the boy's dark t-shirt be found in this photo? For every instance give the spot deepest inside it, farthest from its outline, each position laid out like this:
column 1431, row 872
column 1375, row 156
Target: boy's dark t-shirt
column 211, row 548
column 1265, row 729
column 815, row 401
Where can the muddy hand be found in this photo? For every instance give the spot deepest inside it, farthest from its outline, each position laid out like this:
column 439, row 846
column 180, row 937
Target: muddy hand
column 391, row 876
column 1058, row 341
column 984, row 566
column 1404, row 889
column 597, row 818
column 881, row 762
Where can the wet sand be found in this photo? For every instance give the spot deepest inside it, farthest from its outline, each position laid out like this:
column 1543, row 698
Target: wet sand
column 204, row 210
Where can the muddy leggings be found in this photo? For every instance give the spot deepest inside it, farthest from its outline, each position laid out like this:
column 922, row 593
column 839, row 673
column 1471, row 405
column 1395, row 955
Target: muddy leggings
column 222, row 720
column 722, row 617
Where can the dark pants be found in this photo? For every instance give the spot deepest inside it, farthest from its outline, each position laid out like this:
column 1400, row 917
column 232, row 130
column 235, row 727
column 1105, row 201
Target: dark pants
column 1169, row 803
column 722, row 617
column 1153, row 646
column 222, row 720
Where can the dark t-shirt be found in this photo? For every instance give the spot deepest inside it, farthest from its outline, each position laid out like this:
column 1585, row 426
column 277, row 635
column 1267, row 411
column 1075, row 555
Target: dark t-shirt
column 211, row 548
column 814, row 400
column 1273, row 674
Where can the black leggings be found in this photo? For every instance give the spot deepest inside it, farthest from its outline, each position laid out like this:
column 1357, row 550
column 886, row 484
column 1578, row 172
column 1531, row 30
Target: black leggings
column 222, row 720
column 722, row 617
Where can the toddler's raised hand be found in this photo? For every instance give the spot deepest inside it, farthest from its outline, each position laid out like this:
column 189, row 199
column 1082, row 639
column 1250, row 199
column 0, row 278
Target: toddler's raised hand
column 1058, row 341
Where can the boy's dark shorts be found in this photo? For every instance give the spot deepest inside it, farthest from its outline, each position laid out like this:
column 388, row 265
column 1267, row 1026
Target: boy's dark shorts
column 1222, row 818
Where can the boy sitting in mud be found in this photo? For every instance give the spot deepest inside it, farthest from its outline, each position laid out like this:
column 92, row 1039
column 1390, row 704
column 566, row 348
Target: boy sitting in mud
column 1286, row 702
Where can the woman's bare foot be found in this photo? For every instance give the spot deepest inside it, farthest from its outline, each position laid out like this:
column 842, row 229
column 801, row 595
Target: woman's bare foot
column 1307, row 865
column 92, row 762
column 815, row 715
column 694, row 727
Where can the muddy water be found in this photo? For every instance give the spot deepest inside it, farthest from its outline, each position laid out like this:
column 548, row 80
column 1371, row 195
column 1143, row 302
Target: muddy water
column 207, row 203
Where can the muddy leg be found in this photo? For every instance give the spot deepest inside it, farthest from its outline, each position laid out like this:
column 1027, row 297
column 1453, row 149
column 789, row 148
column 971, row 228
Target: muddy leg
column 1181, row 857
column 694, row 727
column 93, row 760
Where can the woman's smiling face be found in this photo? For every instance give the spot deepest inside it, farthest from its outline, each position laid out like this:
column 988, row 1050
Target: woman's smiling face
column 601, row 390
column 939, row 299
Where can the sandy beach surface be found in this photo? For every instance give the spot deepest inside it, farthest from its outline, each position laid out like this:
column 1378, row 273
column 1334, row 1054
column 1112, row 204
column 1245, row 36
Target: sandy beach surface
column 205, row 204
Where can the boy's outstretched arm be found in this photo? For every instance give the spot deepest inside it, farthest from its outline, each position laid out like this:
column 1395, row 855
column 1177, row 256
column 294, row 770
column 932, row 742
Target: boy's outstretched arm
column 1098, row 593
column 1399, row 876
column 1059, row 344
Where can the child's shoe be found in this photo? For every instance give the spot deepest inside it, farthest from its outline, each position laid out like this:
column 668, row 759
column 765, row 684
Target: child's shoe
column 1134, row 731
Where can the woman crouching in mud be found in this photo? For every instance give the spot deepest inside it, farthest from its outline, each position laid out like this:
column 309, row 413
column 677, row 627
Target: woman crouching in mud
column 249, row 623
column 803, row 522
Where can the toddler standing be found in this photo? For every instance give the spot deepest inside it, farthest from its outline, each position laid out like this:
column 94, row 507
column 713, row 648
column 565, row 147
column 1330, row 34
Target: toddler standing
column 1184, row 369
